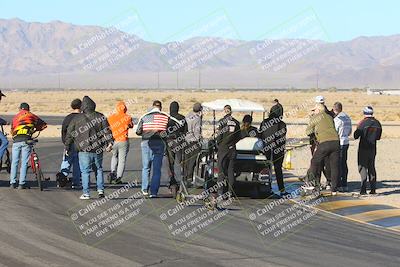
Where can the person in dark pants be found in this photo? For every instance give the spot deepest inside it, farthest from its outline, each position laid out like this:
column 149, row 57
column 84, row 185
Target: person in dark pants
column 343, row 128
column 322, row 125
column 369, row 130
column 276, row 108
column 247, row 130
column 193, row 140
column 227, row 137
column 325, row 167
column 175, row 138
column 273, row 133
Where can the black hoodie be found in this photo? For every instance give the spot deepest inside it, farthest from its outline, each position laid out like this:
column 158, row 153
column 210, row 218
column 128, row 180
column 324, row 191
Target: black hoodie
column 175, row 129
column 89, row 130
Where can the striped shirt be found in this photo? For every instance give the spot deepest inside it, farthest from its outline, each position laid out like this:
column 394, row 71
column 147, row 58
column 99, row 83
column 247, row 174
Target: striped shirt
column 153, row 125
column 155, row 122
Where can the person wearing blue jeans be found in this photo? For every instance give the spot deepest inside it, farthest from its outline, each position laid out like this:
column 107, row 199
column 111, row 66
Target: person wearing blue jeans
column 23, row 125
column 152, row 156
column 23, row 150
column 91, row 135
column 71, row 159
column 152, row 128
column 87, row 161
column 70, row 156
column 3, row 145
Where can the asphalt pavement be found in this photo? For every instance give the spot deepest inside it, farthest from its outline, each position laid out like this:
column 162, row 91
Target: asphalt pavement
column 55, row 228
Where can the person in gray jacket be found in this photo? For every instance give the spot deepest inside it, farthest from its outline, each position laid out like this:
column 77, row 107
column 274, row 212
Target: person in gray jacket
column 193, row 139
column 343, row 128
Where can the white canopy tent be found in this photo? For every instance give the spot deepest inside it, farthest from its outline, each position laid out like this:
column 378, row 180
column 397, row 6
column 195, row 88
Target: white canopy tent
column 238, row 105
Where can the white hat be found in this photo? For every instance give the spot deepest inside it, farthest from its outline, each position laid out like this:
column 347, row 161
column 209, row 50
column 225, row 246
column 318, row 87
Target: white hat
column 368, row 111
column 320, row 99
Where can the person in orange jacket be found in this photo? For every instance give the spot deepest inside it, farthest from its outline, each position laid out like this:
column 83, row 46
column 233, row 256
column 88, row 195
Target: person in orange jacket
column 120, row 123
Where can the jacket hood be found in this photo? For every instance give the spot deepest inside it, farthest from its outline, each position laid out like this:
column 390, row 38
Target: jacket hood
column 88, row 105
column 174, row 108
column 121, row 107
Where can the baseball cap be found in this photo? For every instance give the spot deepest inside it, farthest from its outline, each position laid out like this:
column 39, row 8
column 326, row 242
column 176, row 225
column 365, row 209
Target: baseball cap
column 24, row 106
column 318, row 106
column 319, row 99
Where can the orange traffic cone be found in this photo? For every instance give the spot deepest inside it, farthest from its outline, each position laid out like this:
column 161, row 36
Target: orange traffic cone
column 287, row 162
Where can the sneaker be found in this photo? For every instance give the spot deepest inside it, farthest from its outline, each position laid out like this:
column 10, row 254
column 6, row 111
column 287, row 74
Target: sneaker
column 328, row 187
column 13, row 186
column 282, row 194
column 372, row 192
column 23, row 186
column 145, row 193
column 117, row 181
column 101, row 193
column 334, row 193
column 363, row 192
column 152, row 196
column 84, row 197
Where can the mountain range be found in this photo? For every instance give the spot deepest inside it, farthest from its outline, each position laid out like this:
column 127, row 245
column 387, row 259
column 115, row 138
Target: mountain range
column 56, row 54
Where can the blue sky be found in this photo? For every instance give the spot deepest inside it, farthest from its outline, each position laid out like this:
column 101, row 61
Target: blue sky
column 341, row 20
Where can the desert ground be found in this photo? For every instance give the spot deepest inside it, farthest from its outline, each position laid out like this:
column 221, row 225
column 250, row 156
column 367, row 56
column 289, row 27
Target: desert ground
column 296, row 105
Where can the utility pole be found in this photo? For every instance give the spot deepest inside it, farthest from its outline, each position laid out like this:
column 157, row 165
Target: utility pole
column 59, row 81
column 199, row 78
column 158, row 80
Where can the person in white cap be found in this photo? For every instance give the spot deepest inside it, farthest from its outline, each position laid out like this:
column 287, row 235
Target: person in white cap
column 322, row 125
column 314, row 143
column 369, row 130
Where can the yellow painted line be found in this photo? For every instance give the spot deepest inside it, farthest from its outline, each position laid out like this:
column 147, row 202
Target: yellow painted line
column 396, row 228
column 376, row 215
column 341, row 204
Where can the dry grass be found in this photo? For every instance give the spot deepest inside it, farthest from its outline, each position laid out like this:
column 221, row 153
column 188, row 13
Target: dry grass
column 296, row 103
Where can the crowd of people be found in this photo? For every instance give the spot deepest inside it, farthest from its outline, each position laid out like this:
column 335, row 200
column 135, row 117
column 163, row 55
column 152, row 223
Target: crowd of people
column 329, row 132
column 87, row 134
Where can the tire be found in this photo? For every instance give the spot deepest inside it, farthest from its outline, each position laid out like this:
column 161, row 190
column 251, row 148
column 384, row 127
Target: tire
column 40, row 178
column 8, row 161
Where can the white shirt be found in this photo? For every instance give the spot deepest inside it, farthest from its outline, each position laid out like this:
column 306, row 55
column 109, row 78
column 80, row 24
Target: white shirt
column 343, row 127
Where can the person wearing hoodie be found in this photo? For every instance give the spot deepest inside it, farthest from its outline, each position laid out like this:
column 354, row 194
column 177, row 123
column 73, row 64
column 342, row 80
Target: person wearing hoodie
column 91, row 134
column 175, row 139
column 273, row 134
column 152, row 127
column 23, row 125
column 193, row 139
column 120, row 123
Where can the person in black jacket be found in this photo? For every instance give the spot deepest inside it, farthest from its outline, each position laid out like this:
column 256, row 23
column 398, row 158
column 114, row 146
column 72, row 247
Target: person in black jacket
column 247, row 130
column 227, row 137
column 175, row 139
column 90, row 132
column 369, row 130
column 70, row 159
column 273, row 134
